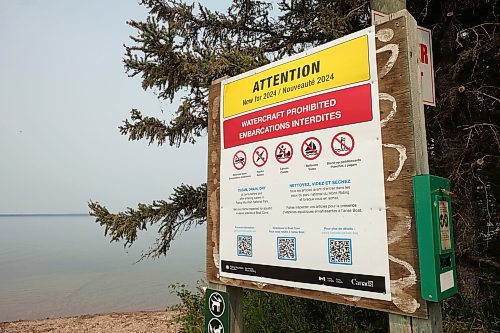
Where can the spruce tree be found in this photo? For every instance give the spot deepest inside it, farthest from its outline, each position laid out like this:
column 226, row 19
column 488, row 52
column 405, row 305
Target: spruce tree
column 182, row 47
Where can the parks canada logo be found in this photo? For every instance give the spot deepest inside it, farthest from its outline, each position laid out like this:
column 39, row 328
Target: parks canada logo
column 368, row 283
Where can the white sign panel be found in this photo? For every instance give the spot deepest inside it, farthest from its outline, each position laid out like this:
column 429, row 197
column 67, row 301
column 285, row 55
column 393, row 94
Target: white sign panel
column 426, row 63
column 302, row 201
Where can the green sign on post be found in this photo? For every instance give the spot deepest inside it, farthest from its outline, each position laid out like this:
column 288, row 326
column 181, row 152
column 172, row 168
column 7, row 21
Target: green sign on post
column 216, row 311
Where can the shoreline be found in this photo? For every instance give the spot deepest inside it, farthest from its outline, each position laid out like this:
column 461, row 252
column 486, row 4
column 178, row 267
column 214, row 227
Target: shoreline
column 115, row 322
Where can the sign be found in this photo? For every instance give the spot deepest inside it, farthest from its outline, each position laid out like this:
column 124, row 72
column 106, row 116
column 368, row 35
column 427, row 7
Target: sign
column 426, row 64
column 342, row 144
column 260, row 156
column 307, row 73
column 444, row 225
column 404, row 142
column 314, row 220
column 283, row 152
column 311, row 148
column 239, row 160
column 216, row 311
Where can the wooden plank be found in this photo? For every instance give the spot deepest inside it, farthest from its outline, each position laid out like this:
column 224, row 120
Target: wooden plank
column 400, row 323
column 434, row 324
column 213, row 178
column 402, row 160
column 235, row 293
column 403, row 324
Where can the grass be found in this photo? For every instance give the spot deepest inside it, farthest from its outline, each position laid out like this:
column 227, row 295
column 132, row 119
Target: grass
column 271, row 313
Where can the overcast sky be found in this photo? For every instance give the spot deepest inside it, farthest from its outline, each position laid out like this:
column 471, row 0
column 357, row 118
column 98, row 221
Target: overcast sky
column 63, row 94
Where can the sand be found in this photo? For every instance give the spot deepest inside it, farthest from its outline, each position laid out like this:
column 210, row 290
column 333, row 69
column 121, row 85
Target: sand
column 136, row 322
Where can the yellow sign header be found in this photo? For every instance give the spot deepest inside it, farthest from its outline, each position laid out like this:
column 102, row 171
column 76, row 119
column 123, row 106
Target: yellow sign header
column 333, row 67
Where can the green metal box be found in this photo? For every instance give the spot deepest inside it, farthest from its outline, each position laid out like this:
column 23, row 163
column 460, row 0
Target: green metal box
column 436, row 248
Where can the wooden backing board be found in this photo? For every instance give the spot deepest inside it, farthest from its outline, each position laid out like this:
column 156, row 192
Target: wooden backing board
column 404, row 153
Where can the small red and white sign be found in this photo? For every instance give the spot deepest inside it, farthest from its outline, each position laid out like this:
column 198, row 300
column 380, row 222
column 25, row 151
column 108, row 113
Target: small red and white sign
column 260, row 156
column 426, row 65
column 283, row 152
column 239, row 160
column 342, row 144
column 311, row 148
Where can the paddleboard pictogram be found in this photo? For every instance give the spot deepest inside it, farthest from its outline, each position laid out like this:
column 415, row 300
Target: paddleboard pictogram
column 283, row 152
column 260, row 156
column 239, row 159
column 311, row 148
column 342, row 144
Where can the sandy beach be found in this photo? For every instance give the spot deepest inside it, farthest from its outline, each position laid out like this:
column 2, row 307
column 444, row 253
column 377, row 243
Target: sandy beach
column 136, row 322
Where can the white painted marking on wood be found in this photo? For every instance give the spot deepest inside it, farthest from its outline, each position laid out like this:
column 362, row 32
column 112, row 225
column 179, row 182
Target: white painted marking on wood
column 385, row 35
column 402, row 158
column 216, row 257
column 394, row 49
column 394, row 107
column 259, row 285
column 213, row 212
column 400, row 298
column 228, row 282
column 402, row 228
column 215, row 108
column 404, row 301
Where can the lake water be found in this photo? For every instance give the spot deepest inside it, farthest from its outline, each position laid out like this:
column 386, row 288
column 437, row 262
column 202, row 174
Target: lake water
column 52, row 266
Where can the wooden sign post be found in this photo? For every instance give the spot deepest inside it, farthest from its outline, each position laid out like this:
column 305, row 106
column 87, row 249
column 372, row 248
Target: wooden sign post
column 235, row 293
column 404, row 155
column 402, row 323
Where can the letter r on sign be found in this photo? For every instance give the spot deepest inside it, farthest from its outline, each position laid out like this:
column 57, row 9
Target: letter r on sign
column 424, row 55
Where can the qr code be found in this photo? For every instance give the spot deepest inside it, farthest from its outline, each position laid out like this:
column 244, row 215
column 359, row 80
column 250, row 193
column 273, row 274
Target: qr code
column 244, row 246
column 287, row 248
column 340, row 251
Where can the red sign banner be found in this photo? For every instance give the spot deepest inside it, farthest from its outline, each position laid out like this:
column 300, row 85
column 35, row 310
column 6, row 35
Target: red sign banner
column 331, row 109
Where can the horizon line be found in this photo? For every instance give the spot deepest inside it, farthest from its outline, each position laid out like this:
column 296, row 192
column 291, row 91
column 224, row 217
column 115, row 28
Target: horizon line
column 43, row 214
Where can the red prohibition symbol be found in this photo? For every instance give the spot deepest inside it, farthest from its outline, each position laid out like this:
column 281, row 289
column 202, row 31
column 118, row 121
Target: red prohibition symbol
column 239, row 160
column 283, row 152
column 342, row 144
column 311, row 148
column 260, row 156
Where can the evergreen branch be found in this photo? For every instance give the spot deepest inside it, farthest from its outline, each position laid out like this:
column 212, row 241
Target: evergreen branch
column 185, row 127
column 144, row 127
column 185, row 207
